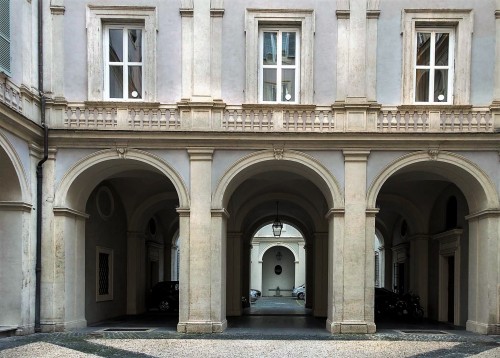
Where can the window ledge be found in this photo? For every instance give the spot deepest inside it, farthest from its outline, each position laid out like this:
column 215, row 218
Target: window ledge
column 279, row 106
column 434, row 107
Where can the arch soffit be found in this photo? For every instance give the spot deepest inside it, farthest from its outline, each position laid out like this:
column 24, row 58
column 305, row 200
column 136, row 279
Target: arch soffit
column 257, row 225
column 287, row 246
column 242, row 170
column 296, row 199
column 140, row 156
column 146, row 209
column 16, row 163
column 408, row 210
column 481, row 179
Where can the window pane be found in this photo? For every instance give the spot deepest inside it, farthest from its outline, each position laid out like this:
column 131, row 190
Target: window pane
column 288, row 85
column 135, row 45
column 103, row 273
column 135, row 82
column 288, row 48
column 422, row 86
column 269, row 50
column 442, row 49
column 269, row 85
column 115, row 45
column 441, row 86
column 423, row 48
column 115, row 81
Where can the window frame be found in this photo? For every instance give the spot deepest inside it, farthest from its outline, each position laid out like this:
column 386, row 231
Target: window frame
column 432, row 66
column 101, row 16
column 279, row 66
column 125, row 64
column 461, row 22
column 110, row 253
column 300, row 19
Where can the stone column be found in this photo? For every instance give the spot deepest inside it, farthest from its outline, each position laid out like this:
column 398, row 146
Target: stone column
column 309, row 248
column 484, row 275
column 495, row 108
column 320, row 274
column 135, row 272
column 234, row 274
column 356, row 314
column 203, row 254
column 256, row 274
column 419, row 267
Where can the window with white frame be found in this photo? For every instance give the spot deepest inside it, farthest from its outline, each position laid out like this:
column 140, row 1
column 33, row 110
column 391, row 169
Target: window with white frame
column 279, row 78
column 104, row 274
column 123, row 62
column 434, row 58
column 121, row 53
column 432, row 72
column 279, row 56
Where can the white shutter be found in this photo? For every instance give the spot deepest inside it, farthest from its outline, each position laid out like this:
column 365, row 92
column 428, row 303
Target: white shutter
column 5, row 36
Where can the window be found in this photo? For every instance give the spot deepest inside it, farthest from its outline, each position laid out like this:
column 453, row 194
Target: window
column 123, row 62
column 434, row 65
column 104, row 274
column 5, row 36
column 121, row 53
column 278, row 72
column 279, row 61
column 432, row 72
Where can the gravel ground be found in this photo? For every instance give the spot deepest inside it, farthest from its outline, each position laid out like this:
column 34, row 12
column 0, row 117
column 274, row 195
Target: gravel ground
column 171, row 344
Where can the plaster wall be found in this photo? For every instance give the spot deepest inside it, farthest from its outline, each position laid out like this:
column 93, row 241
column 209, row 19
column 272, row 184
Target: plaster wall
column 168, row 61
column 110, row 233
column 223, row 160
column 488, row 162
column 389, row 49
column 66, row 158
column 233, row 47
column 271, row 280
column 333, row 161
column 378, row 161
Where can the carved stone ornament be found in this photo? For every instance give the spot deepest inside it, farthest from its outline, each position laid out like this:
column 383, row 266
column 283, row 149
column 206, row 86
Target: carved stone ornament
column 122, row 152
column 278, row 153
column 433, row 153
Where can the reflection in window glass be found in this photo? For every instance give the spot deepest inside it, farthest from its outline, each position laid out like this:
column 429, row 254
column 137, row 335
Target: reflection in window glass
column 135, row 45
column 135, row 82
column 115, row 45
column 116, row 82
column 288, row 48
column 440, row 85
column 422, row 86
column 269, row 77
column 423, row 48
column 442, row 49
column 288, row 82
column 270, row 48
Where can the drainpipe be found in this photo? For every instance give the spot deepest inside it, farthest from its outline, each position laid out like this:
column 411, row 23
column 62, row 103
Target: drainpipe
column 39, row 171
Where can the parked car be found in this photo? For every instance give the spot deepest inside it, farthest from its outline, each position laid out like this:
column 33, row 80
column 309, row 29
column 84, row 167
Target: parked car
column 254, row 295
column 165, row 296
column 299, row 292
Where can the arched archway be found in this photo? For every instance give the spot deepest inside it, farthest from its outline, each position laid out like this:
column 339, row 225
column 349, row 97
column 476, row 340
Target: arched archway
column 307, row 192
column 450, row 267
column 113, row 212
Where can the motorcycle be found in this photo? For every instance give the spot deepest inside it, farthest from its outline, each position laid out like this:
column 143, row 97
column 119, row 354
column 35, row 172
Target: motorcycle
column 408, row 306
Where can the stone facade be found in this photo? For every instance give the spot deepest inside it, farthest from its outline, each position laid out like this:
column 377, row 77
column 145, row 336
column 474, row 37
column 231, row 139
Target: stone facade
column 367, row 137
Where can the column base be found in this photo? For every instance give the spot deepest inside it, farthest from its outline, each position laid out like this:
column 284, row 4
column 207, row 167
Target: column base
column 49, row 327
column 482, row 328
column 201, row 327
column 351, row 327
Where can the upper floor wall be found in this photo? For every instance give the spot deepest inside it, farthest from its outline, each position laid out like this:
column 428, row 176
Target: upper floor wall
column 343, row 53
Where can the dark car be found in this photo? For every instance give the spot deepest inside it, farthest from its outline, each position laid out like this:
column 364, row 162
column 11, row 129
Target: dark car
column 385, row 302
column 165, row 296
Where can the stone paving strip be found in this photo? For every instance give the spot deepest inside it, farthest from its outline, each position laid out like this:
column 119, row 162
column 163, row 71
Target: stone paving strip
column 245, row 344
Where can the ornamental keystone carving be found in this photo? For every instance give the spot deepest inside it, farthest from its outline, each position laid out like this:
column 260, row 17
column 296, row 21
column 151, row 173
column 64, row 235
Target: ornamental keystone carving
column 433, row 154
column 278, row 153
column 122, row 152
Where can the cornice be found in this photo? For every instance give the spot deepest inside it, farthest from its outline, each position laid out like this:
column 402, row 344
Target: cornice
column 19, row 125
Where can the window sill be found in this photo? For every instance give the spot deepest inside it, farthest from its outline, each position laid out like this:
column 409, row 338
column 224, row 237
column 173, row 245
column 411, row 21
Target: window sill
column 437, row 107
column 280, row 106
column 122, row 104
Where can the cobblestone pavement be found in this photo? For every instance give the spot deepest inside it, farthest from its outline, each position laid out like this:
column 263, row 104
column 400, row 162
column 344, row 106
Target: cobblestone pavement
column 269, row 334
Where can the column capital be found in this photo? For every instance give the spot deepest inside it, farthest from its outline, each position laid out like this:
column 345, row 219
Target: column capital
column 356, row 155
column 202, row 154
column 333, row 212
column 220, row 213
